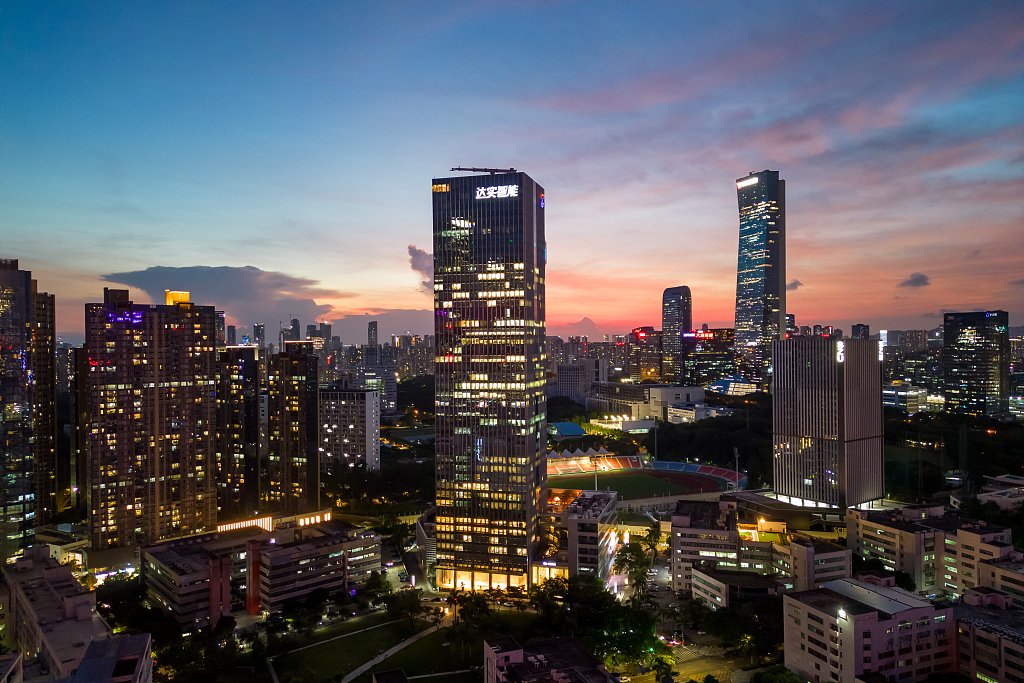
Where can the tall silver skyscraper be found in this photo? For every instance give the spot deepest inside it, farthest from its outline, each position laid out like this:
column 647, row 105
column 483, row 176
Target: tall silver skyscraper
column 491, row 426
column 676, row 319
column 760, row 271
column 827, row 421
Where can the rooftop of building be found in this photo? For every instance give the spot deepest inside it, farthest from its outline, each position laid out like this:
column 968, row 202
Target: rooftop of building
column 704, row 514
column 119, row 656
column 393, row 676
column 748, row 580
column 856, row 597
column 581, row 504
column 1015, row 566
column 948, row 523
column 567, row 428
column 318, row 536
column 821, row 546
column 541, row 659
column 1008, row 623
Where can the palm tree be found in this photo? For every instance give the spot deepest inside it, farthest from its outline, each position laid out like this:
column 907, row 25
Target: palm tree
column 651, row 540
column 632, row 561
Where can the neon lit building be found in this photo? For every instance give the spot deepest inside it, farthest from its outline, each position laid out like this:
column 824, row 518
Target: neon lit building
column 760, row 271
column 676, row 319
column 827, row 422
column 150, row 432
column 491, row 425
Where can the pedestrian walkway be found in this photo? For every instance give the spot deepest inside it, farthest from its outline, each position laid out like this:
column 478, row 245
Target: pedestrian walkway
column 685, row 654
column 443, row 673
column 381, row 657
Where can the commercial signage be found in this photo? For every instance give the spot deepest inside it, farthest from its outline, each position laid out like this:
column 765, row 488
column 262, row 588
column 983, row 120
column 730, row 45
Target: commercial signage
column 840, row 351
column 497, row 191
column 746, row 183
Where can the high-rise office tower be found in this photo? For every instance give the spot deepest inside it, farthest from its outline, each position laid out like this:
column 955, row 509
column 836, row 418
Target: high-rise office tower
column 491, row 425
column 259, row 335
column 791, row 324
column 708, row 356
column 230, row 336
column 645, row 357
column 28, row 399
column 676, row 319
column 860, row 332
column 976, row 363
column 760, row 271
column 827, row 421
column 239, row 379
column 371, row 333
column 222, row 337
column 150, row 436
column 293, row 482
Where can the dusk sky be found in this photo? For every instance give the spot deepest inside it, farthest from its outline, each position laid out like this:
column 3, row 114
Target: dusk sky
column 275, row 158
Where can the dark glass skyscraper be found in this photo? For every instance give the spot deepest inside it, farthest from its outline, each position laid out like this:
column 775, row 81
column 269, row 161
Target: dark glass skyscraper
column 28, row 396
column 676, row 320
column 491, row 425
column 760, row 271
column 976, row 363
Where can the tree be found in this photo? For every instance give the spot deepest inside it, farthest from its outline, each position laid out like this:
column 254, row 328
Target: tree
column 474, row 607
column 905, row 581
column 632, row 561
column 775, row 674
column 651, row 540
column 377, row 587
column 405, row 605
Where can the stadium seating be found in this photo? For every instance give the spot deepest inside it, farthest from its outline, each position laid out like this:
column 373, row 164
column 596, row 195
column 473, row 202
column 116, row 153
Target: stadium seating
column 728, row 476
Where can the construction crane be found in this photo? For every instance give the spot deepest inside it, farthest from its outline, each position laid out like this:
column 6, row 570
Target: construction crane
column 492, row 171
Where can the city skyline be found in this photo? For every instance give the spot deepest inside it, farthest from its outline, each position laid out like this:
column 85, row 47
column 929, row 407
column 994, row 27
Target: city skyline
column 140, row 142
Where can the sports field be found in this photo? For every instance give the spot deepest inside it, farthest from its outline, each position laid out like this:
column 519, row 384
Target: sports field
column 631, row 484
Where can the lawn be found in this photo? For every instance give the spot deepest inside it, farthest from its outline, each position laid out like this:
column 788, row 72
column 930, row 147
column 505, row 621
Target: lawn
column 431, row 656
column 628, row 484
column 327, row 660
column 350, row 625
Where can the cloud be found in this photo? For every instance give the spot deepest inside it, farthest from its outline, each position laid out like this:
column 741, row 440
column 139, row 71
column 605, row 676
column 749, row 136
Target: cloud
column 246, row 294
column 583, row 328
column 915, row 280
column 794, row 285
column 422, row 263
column 351, row 328
column 1019, row 283
column 975, row 253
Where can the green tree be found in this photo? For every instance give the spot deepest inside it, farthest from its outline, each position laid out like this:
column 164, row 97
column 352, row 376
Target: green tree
column 377, row 587
column 905, row 581
column 775, row 674
column 474, row 607
column 405, row 605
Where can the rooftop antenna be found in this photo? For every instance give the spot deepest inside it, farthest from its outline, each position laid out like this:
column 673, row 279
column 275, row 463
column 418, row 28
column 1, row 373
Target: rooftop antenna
column 492, row 171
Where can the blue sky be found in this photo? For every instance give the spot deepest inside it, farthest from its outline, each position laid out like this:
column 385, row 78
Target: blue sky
column 287, row 148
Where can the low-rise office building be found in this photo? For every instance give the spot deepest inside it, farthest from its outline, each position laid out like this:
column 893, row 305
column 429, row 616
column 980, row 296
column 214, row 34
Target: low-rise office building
column 718, row 588
column 48, row 613
column 564, row 660
column 990, row 637
column 941, row 552
column 330, row 555
column 578, row 529
column 905, row 396
column 1006, row 575
column 640, row 401
column 849, row 629
column 122, row 659
column 707, row 535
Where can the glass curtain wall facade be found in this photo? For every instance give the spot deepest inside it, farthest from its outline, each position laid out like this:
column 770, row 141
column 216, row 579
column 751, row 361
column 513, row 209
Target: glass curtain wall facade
column 976, row 363
column 827, row 422
column 28, row 493
column 676, row 320
column 760, row 272
column 491, row 424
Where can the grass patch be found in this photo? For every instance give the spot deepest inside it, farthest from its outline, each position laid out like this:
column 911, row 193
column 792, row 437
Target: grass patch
column 430, row 656
column 627, row 484
column 327, row 660
column 350, row 626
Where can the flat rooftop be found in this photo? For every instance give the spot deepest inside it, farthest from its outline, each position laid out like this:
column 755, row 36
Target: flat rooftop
column 739, row 579
column 1015, row 566
column 119, row 656
column 565, row 655
column 1008, row 623
column 703, row 514
column 856, row 597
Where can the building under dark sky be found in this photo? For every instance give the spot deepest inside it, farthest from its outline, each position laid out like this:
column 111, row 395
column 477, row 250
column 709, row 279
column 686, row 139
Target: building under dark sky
column 676, row 319
column 976, row 363
column 491, row 425
column 760, row 271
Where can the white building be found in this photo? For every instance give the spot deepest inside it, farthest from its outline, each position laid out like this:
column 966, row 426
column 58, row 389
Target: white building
column 905, row 396
column 349, row 428
column 48, row 613
column 941, row 552
column 847, row 629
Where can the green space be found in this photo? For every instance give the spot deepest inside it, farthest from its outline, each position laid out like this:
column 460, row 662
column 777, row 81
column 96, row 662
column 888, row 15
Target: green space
column 441, row 651
column 628, row 484
column 350, row 626
column 327, row 660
